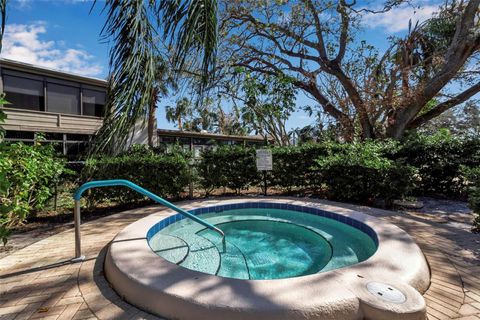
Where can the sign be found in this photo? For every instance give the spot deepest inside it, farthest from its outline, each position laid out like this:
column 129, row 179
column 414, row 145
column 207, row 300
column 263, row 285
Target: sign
column 264, row 159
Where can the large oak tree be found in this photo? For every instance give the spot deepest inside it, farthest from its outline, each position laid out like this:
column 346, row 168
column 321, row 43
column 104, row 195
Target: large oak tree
column 371, row 95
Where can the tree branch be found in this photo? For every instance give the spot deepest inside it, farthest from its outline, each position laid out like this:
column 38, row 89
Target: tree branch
column 318, row 30
column 342, row 10
column 444, row 106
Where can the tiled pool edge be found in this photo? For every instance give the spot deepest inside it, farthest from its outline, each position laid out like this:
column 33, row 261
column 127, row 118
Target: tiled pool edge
column 266, row 205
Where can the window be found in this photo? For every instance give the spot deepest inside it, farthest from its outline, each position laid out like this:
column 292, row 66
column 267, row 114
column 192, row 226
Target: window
column 14, row 135
column 63, row 99
column 93, row 103
column 77, row 137
column 23, row 93
column 49, row 136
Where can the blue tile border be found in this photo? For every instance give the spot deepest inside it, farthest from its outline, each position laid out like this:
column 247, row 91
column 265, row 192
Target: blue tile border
column 267, row 205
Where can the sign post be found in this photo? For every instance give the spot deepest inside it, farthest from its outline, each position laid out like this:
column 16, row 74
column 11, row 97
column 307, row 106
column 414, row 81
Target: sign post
column 264, row 164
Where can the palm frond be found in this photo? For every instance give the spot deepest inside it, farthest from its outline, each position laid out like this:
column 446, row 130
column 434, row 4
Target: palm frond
column 191, row 26
column 134, row 27
column 132, row 71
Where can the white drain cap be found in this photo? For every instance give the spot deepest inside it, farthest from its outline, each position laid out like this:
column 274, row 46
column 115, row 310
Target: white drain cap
column 386, row 292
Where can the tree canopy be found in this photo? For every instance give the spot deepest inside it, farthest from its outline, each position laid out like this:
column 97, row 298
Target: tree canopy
column 370, row 94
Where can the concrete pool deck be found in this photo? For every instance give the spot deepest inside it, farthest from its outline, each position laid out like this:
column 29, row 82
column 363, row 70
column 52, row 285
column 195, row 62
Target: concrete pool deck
column 39, row 282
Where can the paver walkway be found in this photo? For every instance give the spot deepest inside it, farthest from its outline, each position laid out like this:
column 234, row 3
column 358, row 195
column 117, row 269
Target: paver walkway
column 39, row 282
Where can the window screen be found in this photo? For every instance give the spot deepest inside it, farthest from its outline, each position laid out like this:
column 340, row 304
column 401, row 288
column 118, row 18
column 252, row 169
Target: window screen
column 63, row 99
column 23, row 93
column 93, row 102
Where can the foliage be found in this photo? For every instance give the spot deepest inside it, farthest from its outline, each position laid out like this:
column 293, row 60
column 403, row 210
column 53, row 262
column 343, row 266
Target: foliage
column 179, row 112
column 270, row 100
column 439, row 158
column 203, row 116
column 361, row 173
column 27, row 176
column 163, row 80
column 166, row 175
column 228, row 167
column 357, row 172
column 369, row 95
column 461, row 121
column 3, row 116
column 473, row 177
column 133, row 27
column 295, row 166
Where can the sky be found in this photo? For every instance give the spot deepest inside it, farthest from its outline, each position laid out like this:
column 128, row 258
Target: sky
column 65, row 35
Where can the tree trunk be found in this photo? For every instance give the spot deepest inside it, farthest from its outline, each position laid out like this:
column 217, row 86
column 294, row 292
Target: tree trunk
column 152, row 119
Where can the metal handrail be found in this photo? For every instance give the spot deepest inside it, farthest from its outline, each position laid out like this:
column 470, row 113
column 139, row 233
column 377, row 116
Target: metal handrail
column 109, row 183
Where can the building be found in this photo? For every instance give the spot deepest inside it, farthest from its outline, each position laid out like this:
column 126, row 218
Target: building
column 199, row 141
column 66, row 108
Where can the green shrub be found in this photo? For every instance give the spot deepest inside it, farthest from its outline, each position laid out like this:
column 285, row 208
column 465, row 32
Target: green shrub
column 295, row 166
column 228, row 167
column 165, row 175
column 439, row 159
column 27, row 177
column 473, row 177
column 361, row 173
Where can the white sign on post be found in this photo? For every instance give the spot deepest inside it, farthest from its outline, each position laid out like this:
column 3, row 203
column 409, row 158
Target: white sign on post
column 264, row 159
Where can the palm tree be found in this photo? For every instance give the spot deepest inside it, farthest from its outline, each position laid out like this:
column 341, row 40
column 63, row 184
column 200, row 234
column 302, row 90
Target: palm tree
column 180, row 111
column 163, row 81
column 136, row 28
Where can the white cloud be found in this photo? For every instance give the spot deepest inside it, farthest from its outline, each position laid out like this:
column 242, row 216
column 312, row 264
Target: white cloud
column 397, row 19
column 23, row 43
column 27, row 4
column 22, row 4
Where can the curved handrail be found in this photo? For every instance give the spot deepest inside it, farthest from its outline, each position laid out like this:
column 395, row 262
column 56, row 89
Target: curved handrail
column 121, row 182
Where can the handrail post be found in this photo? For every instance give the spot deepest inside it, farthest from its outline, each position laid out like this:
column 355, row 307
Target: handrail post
column 78, row 244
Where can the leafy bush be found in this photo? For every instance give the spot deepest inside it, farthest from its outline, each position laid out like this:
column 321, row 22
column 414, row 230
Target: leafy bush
column 228, row 167
column 27, row 178
column 164, row 175
column 361, row 173
column 473, row 177
column 295, row 166
column 439, row 159
column 351, row 172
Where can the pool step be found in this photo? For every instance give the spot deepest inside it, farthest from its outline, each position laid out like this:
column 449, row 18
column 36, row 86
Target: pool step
column 232, row 261
column 341, row 253
column 203, row 255
column 205, row 246
column 169, row 247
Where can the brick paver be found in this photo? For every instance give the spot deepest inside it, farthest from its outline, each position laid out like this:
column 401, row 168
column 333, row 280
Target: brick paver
column 40, row 282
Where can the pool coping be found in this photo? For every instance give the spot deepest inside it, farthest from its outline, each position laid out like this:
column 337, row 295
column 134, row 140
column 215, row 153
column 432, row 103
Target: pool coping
column 175, row 292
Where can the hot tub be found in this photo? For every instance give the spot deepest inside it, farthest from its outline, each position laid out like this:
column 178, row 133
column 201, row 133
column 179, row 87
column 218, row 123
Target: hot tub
column 281, row 259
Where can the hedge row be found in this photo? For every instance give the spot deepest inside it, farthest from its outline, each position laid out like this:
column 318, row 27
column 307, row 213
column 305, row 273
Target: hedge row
column 422, row 165
column 362, row 172
column 164, row 175
column 439, row 159
column 353, row 172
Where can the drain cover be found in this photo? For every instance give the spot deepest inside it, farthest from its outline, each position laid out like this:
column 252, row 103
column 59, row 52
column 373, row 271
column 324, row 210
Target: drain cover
column 386, row 292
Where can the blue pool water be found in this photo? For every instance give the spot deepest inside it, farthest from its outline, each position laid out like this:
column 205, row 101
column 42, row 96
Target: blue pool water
column 263, row 243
